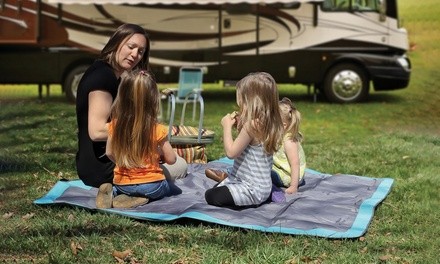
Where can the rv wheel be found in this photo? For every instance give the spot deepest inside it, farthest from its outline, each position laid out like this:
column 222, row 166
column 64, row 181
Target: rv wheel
column 346, row 83
column 71, row 81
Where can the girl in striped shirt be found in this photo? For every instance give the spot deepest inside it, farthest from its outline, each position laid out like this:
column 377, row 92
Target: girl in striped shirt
column 260, row 133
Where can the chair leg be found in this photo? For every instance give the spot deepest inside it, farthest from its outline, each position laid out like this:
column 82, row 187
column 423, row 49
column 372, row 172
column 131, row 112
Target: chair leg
column 194, row 108
column 168, row 107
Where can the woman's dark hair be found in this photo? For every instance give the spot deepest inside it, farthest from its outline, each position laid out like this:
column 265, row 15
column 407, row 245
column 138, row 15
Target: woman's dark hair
column 108, row 53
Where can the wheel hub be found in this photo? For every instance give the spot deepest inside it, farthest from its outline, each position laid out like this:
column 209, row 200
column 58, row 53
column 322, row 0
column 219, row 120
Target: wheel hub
column 347, row 85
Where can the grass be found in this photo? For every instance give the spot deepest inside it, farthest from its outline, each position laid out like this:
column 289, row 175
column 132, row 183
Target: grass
column 394, row 134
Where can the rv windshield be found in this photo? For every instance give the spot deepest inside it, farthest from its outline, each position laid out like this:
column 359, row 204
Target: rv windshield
column 351, row 5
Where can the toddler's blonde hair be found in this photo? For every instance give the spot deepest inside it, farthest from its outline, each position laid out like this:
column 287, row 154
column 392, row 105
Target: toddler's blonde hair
column 291, row 117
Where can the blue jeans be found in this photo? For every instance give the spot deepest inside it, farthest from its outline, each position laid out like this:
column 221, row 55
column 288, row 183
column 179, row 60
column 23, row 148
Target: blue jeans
column 276, row 180
column 151, row 190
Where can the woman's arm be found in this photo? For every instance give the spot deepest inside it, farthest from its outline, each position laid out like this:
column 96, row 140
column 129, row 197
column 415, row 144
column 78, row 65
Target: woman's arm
column 100, row 103
column 233, row 148
column 291, row 150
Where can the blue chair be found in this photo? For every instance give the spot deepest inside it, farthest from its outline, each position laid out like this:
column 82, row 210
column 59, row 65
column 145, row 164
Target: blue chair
column 189, row 89
column 188, row 141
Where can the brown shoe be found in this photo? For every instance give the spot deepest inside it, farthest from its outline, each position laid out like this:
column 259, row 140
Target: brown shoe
column 216, row 175
column 126, row 201
column 104, row 196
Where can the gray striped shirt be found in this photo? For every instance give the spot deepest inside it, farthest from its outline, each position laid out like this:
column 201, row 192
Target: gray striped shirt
column 249, row 181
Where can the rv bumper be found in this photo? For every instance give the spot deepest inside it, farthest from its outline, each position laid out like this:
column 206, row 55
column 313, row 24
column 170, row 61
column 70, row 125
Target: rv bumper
column 394, row 75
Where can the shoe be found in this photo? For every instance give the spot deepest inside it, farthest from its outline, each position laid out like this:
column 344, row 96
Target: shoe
column 277, row 195
column 216, row 175
column 104, row 196
column 126, row 201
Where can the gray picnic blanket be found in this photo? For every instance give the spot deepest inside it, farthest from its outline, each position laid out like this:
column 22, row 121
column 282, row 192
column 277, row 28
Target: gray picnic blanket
column 333, row 206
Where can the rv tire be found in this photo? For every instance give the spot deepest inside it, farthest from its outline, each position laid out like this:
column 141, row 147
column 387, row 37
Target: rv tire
column 70, row 85
column 346, row 83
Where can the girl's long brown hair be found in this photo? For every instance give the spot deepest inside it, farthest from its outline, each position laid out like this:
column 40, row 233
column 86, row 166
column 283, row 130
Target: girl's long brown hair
column 257, row 97
column 135, row 112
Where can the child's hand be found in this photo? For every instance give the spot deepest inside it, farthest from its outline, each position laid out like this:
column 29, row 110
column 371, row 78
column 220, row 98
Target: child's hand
column 228, row 121
column 234, row 115
column 291, row 189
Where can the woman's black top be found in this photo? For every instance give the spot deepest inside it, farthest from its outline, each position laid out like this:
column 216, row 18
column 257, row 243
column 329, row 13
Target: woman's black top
column 93, row 166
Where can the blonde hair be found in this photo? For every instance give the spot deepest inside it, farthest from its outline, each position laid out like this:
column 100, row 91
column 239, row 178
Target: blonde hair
column 292, row 118
column 134, row 113
column 257, row 98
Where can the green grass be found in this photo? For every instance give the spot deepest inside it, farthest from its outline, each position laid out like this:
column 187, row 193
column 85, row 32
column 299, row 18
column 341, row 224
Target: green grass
column 394, row 134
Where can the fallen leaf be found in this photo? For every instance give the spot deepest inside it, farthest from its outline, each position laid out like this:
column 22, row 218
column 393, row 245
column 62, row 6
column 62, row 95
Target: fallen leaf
column 8, row 215
column 140, row 243
column 27, row 216
column 286, row 241
column 364, row 250
column 119, row 260
column 180, row 261
column 70, row 218
column 306, row 259
column 291, row 261
column 166, row 250
column 122, row 254
column 385, row 257
column 74, row 247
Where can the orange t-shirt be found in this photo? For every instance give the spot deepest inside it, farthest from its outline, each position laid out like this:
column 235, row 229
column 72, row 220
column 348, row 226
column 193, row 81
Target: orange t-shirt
column 149, row 173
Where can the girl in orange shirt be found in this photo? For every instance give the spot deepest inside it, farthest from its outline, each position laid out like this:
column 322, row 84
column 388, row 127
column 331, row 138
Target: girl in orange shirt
column 137, row 143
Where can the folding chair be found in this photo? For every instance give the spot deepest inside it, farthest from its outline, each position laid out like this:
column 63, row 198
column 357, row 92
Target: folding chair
column 188, row 141
column 189, row 88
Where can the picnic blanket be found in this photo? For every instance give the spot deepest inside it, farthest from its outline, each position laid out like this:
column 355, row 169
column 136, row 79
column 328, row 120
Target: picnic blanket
column 332, row 206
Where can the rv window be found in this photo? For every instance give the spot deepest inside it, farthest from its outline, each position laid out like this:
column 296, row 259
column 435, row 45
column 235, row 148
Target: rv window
column 365, row 5
column 351, row 5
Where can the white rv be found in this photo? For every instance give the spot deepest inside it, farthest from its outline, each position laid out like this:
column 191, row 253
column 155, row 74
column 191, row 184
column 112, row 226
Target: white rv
column 339, row 47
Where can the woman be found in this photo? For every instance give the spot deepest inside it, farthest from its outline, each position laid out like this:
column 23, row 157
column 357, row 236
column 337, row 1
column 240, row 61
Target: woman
column 127, row 49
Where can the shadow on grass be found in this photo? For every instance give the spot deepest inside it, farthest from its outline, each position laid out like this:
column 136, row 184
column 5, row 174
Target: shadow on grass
column 9, row 165
column 219, row 235
column 18, row 109
column 20, row 126
column 385, row 98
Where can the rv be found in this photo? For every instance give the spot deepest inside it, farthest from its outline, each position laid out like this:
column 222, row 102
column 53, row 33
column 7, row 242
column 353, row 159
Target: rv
column 338, row 47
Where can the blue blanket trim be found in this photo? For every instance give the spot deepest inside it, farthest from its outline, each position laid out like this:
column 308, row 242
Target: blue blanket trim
column 366, row 210
column 58, row 189
column 359, row 227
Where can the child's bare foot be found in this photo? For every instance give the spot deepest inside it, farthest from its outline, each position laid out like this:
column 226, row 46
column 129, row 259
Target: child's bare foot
column 216, row 175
